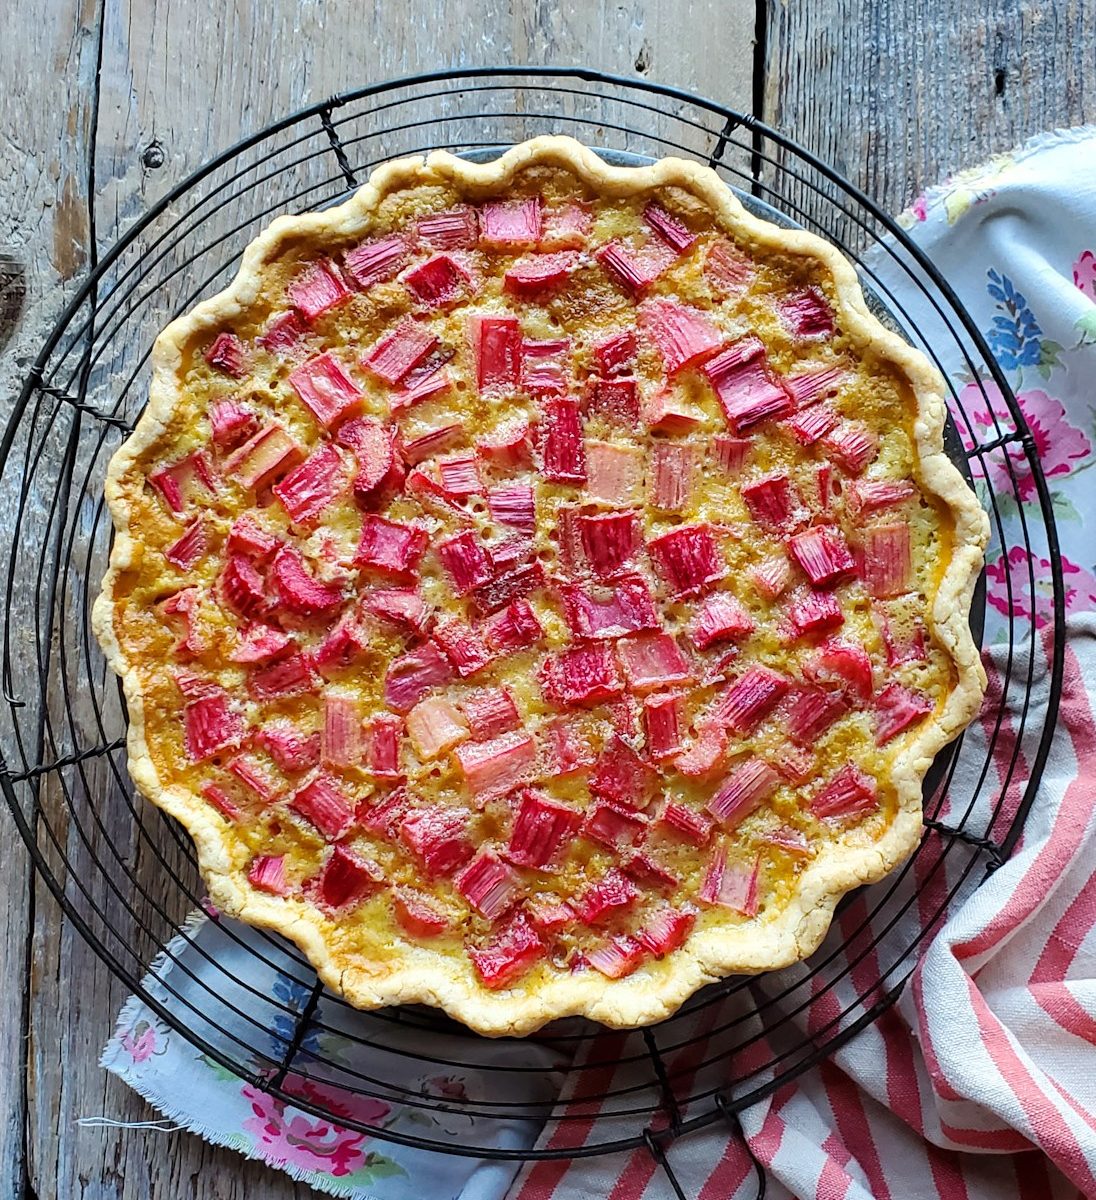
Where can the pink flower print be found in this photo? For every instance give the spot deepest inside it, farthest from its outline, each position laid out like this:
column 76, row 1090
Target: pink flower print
column 1060, row 445
column 1018, row 569
column 1084, row 273
column 284, row 1134
column 920, row 208
column 139, row 1042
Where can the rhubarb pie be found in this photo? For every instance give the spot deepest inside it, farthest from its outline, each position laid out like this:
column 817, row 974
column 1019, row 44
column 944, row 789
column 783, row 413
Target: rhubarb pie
column 539, row 587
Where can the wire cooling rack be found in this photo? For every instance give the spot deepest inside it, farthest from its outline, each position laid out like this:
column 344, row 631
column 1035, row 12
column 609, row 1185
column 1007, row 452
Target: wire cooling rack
column 125, row 873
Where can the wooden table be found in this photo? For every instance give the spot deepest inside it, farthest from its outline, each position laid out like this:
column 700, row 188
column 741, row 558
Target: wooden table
column 105, row 106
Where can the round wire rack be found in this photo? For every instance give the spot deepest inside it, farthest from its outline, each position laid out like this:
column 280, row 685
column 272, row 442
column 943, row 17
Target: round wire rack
column 125, row 874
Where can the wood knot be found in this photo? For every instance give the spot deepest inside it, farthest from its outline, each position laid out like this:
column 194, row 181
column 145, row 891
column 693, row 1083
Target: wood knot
column 13, row 294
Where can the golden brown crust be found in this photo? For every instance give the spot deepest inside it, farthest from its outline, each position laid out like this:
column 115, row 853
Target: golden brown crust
column 658, row 988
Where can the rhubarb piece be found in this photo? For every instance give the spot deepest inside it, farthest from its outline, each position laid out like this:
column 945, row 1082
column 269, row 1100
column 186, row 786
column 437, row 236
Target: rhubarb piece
column 566, row 225
column 651, row 661
column 291, row 749
column 389, row 547
column 381, row 746
column 489, row 711
column 427, row 381
column 297, row 590
column 253, row 775
column 812, row 712
column 453, row 229
column 682, row 336
column 401, row 606
column 731, row 885
column 551, row 917
column 811, row 424
column 376, row 261
column 541, row 827
column 775, row 503
column 230, row 423
column 663, row 717
column 226, row 354
column 290, row 676
column 248, row 537
column 612, row 895
column 609, row 542
column 259, row 643
column 747, row 786
column 395, row 355
column 569, row 749
column 617, row 400
column 583, row 675
column 642, row 868
column 612, row 826
column 719, row 618
column 886, row 560
column 385, row 818
column 672, row 231
column 438, row 282
column 505, row 224
column 616, row 354
column 426, row 445
column 706, row 752
column 851, row 446
column 323, row 804
column 791, row 841
column 731, row 453
column 843, row 665
column 750, row 699
column 190, row 547
column 507, row 587
column 812, row 613
column 514, row 628
column 413, row 674
column 497, row 345
column 617, row 957
column 543, row 372
column 417, row 915
column 867, row 496
column 195, row 687
column 347, row 879
column 748, row 392
column 459, row 475
column 282, row 332
column 438, row 837
column 465, row 561
column 217, row 797
column 180, row 481
column 665, row 930
column 435, row 726
column 771, row 576
column 897, row 707
column 513, row 504
column 685, row 823
column 242, row 586
column 614, row 473
column 341, row 742
column 807, row 314
column 850, row 793
column 563, row 455
column 674, row 468
column 308, row 489
column 317, row 289
column 823, row 479
column 267, row 874
column 664, row 411
column 628, row 608
column 622, row 777
column 635, row 270
column 342, row 646
column 496, row 767
column 903, row 634
column 726, row 269
column 509, row 955
column 687, row 559
column 210, row 725
column 823, row 556
column 489, row 885
column 537, row 273
column 326, row 390
column 185, row 605
column 435, row 499
column 814, row 385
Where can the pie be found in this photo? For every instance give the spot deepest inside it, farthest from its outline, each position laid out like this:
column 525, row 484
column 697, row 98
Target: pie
column 539, row 587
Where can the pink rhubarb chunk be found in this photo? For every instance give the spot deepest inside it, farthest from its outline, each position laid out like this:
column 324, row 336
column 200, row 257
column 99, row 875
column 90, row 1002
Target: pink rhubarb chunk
column 417, row 916
column 326, row 390
column 687, row 559
column 390, row 547
column 210, row 725
column 317, row 289
column 626, row 608
column 226, row 353
column 438, row 282
column 813, row 612
column 731, row 885
column 582, row 675
column 682, row 336
column 505, row 224
column 263, row 457
column 488, row 884
column 674, row 467
column 843, row 665
column 665, row 931
column 459, row 475
column 242, row 586
column 651, row 661
column 376, row 261
column 513, row 504
column 323, row 804
column 539, row 272
column 684, row 822
column 341, row 742
column 726, row 269
column 616, row 354
column 618, row 957
column 562, row 451
column 746, row 703
column 886, row 560
column 489, row 711
column 346, row 879
column 466, row 562
column 617, row 400
column 308, row 489
column 614, row 473
column 850, row 793
column 496, row 767
column 612, row 895
column 718, row 618
column 182, row 480
column 851, row 446
column 379, row 467
column 747, row 390
column 283, row 331
column 230, row 423
column 731, row 453
column 775, row 503
column 382, row 739
column 453, row 229
column 823, row 555
column 609, row 542
column 411, row 676
column 291, row 749
column 897, row 707
column 497, row 346
column 259, row 643
column 513, row 628
column 612, row 827
column 663, row 718
column 435, row 726
column 541, row 827
column 635, row 270
column 402, row 606
column 807, row 314
column 297, row 590
column 812, row 712
column 744, row 789
column 671, row 229
column 190, row 547
column 396, row 354
column 267, row 873
column 439, row 839
column 622, row 777
column 543, row 366
column 512, row 952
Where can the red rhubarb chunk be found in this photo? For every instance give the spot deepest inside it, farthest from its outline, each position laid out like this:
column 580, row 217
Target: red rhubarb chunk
column 389, row 547
column 747, row 390
column 510, row 445
column 459, row 474
column 513, row 504
column 265, row 456
column 616, row 354
column 612, row 895
column 512, row 952
column 226, row 353
column 188, row 549
column 671, row 229
column 814, row 385
column 706, row 752
column 726, row 270
column 435, row 726
column 231, row 422
column 814, row 612
column 652, row 661
column 719, row 618
column 635, row 270
column 341, row 741
column 687, row 559
column 347, row 878
column 811, row 424
column 250, row 771
column 618, row 957
column 291, row 749
column 775, row 503
column 614, row 473
column 417, row 915
column 897, row 707
column 609, row 542
column 731, row 453
column 850, row 793
column 496, row 767
column 674, row 467
column 425, row 382
column 179, row 482
column 259, row 643
column 379, row 467
column 438, row 837
column 622, row 777
column 567, row 224
column 454, row 229
column 342, row 646
column 868, row 496
column 413, row 674
column 376, row 261
column 617, row 400
column 583, row 675
column 382, row 738
column 627, row 608
column 665, row 930
column 297, row 590
column 396, row 354
column 750, row 699
column 683, row 336
column 842, row 665
column 550, row 917
column 401, row 606
column 242, row 586
column 438, row 282
column 426, row 445
column 663, row 719
column 322, row 803
column 514, row 628
column 210, row 725
column 612, row 826
column 267, row 874
column 663, row 411
column 489, row 885
column 772, row 576
column 541, row 827
column 744, row 789
column 807, row 314
column 823, row 555
column 886, row 560
column 308, row 489
column 290, row 676
column 185, row 604
column 791, row 841
column 508, row 223
column 465, row 561
column 543, row 368
column 562, row 452
column 317, row 289
column 489, row 711
column 506, row 587
column 282, row 332
column 812, row 712
column 326, row 390
column 569, row 749
column 851, row 446
column 497, row 346
column 537, row 273
column 685, row 823
column 731, row 885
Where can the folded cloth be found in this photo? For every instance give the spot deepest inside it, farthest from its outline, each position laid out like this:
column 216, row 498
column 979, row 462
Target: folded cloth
column 977, row 1084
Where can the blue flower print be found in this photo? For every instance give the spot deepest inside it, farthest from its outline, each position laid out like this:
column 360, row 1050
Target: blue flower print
column 1016, row 337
